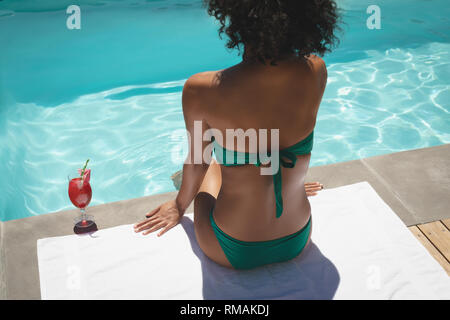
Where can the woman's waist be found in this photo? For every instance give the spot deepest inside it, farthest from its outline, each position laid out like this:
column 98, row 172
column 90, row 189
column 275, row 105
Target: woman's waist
column 252, row 217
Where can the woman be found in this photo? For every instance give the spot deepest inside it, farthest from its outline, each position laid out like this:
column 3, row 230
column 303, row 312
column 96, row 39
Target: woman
column 244, row 219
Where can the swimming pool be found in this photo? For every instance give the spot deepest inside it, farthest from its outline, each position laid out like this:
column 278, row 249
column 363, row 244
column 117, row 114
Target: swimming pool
column 111, row 92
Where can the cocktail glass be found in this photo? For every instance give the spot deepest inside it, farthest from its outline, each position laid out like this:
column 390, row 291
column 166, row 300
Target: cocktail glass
column 80, row 194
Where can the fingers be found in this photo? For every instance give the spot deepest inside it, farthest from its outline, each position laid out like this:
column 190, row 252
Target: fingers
column 167, row 228
column 155, row 227
column 311, row 188
column 313, row 184
column 152, row 218
column 140, row 224
column 148, row 216
column 144, row 225
column 152, row 212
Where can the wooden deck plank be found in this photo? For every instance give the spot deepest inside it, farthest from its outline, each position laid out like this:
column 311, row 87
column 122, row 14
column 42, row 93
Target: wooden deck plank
column 439, row 235
column 431, row 248
column 446, row 222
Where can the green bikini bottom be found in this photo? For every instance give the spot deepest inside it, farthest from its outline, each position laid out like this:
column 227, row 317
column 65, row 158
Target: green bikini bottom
column 247, row 255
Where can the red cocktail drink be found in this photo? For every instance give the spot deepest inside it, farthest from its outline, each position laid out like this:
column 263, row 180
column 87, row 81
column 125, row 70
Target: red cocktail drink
column 80, row 193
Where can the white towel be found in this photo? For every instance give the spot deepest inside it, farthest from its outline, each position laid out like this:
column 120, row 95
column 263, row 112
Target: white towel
column 360, row 250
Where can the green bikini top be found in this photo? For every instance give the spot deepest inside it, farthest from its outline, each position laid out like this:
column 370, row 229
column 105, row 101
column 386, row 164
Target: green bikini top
column 288, row 158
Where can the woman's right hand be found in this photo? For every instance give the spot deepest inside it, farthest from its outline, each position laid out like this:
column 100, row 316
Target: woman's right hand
column 164, row 217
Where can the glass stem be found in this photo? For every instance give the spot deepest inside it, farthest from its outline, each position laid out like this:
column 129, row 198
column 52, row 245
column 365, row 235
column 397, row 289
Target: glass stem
column 83, row 214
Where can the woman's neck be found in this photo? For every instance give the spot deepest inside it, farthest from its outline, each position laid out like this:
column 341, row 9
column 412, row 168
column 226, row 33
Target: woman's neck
column 248, row 52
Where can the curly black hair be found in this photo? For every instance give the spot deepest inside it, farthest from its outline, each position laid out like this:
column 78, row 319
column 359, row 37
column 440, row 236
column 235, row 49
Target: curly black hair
column 273, row 29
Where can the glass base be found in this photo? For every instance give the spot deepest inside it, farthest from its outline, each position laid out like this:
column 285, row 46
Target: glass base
column 84, row 224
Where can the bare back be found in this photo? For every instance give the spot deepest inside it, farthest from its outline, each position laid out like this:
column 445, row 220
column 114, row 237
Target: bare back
column 284, row 97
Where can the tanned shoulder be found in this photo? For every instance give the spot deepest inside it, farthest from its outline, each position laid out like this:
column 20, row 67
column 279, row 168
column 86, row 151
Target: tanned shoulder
column 196, row 89
column 320, row 69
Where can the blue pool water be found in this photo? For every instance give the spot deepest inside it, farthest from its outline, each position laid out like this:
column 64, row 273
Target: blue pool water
column 111, row 92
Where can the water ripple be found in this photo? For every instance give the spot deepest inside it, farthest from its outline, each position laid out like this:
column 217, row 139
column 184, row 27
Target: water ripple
column 390, row 101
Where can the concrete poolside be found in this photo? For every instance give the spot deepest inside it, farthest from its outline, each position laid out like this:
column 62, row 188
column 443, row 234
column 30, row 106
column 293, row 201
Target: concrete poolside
column 415, row 184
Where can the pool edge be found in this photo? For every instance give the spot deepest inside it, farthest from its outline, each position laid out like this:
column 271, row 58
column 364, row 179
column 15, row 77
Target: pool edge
column 2, row 266
column 407, row 181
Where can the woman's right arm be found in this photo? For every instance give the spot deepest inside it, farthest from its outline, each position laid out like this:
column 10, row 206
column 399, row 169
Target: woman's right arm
column 195, row 166
column 169, row 214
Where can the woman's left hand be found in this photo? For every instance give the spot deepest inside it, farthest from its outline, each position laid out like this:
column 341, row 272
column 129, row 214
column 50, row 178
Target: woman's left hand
column 312, row 188
column 165, row 217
